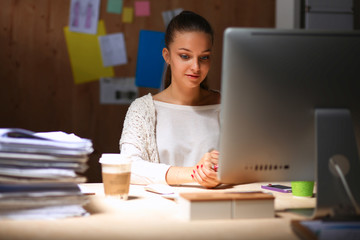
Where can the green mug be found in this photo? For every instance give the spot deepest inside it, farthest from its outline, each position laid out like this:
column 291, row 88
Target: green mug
column 302, row 188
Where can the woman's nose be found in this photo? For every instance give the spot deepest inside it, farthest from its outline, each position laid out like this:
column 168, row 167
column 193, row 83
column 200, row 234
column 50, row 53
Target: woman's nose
column 195, row 66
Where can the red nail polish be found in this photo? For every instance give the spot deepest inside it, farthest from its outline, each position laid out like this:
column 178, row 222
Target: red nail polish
column 201, row 165
column 192, row 176
column 197, row 166
column 193, row 171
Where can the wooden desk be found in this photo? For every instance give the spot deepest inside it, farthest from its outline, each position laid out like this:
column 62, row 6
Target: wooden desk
column 149, row 216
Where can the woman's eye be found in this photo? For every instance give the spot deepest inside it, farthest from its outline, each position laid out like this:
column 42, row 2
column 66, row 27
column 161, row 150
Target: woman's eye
column 183, row 56
column 205, row 58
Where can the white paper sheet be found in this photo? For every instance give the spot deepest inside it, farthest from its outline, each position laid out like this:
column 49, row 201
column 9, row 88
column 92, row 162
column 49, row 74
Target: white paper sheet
column 24, row 141
column 113, row 50
column 118, row 90
column 84, row 16
column 168, row 15
column 44, row 213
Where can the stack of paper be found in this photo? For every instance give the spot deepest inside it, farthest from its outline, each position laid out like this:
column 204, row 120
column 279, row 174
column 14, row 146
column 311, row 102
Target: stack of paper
column 39, row 174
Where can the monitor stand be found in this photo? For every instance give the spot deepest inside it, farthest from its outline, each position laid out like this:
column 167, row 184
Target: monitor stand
column 338, row 166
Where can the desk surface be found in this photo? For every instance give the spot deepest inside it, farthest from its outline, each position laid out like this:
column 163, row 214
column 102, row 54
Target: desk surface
column 149, row 216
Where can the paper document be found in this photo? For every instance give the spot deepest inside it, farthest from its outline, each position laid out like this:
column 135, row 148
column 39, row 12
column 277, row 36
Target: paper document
column 20, row 140
column 168, row 15
column 85, row 55
column 118, row 90
column 38, row 174
column 44, row 213
column 113, row 50
column 84, row 16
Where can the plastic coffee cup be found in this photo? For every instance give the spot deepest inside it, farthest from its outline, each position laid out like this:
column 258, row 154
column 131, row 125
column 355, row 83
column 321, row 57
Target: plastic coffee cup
column 302, row 188
column 116, row 172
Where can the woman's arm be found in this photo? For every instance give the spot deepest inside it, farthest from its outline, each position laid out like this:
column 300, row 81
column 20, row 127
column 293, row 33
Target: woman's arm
column 203, row 173
column 179, row 175
column 143, row 171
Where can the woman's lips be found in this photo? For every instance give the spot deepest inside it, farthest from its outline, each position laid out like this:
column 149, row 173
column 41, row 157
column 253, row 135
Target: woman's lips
column 192, row 76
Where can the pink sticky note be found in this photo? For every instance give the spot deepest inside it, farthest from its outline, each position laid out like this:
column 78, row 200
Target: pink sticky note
column 142, row 8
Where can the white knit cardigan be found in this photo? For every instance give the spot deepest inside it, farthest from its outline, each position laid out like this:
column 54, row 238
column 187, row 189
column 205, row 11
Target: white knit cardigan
column 139, row 128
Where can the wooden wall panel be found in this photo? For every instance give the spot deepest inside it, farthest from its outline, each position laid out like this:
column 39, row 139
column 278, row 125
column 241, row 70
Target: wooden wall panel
column 37, row 90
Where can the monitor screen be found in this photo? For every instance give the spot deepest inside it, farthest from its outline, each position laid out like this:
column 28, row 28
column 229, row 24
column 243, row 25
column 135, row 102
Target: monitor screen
column 272, row 83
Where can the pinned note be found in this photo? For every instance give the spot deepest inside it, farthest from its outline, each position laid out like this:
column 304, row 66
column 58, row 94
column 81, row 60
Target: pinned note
column 128, row 15
column 118, row 90
column 85, row 55
column 114, row 6
column 168, row 15
column 113, row 50
column 150, row 63
column 142, row 8
column 84, row 16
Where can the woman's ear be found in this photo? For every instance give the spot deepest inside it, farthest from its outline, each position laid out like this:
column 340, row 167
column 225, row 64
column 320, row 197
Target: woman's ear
column 166, row 55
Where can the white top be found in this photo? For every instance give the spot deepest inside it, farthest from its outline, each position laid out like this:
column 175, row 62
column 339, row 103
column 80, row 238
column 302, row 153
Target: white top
column 186, row 133
column 183, row 135
column 139, row 128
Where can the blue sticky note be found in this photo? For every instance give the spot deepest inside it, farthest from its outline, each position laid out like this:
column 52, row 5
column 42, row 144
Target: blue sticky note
column 150, row 63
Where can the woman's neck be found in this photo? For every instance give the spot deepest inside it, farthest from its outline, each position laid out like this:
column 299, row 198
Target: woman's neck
column 190, row 97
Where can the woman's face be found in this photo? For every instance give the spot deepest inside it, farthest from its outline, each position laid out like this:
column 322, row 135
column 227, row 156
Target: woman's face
column 189, row 58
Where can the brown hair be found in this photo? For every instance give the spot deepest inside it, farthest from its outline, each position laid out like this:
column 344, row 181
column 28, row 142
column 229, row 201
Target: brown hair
column 186, row 21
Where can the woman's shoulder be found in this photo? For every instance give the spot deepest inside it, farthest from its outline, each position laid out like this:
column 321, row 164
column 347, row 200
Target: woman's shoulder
column 211, row 97
column 161, row 96
column 144, row 100
column 142, row 105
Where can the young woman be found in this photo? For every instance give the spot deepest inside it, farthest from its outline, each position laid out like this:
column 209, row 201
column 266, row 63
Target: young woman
column 172, row 136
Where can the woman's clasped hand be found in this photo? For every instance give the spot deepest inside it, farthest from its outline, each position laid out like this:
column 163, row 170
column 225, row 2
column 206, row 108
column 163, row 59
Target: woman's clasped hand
column 205, row 172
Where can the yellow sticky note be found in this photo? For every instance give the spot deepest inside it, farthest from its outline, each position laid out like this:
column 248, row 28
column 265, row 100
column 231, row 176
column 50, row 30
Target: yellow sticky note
column 128, row 15
column 85, row 55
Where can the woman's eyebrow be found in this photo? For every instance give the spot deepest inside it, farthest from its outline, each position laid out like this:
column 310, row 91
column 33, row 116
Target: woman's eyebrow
column 185, row 49
column 188, row 50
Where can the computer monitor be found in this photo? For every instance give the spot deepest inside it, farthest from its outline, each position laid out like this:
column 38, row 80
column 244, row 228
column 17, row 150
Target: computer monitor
column 290, row 103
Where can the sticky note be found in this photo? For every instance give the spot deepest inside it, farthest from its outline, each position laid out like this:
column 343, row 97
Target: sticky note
column 114, row 6
column 142, row 8
column 128, row 15
column 150, row 63
column 85, row 55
